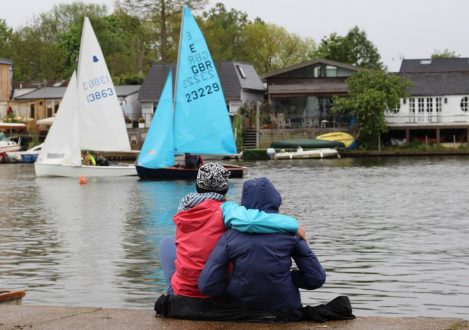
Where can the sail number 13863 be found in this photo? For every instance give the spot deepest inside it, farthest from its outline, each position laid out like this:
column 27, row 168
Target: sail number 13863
column 98, row 95
column 202, row 92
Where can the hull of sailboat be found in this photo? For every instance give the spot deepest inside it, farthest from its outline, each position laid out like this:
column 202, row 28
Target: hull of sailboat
column 83, row 170
column 308, row 154
column 181, row 173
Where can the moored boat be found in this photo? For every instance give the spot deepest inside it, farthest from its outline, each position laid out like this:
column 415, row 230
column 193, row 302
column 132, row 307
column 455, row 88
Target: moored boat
column 306, row 143
column 11, row 295
column 8, row 145
column 308, row 154
column 342, row 137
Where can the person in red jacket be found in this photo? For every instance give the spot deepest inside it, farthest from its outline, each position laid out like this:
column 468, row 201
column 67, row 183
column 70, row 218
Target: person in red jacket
column 201, row 220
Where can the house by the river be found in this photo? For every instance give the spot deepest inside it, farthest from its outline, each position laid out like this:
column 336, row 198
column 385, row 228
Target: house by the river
column 437, row 108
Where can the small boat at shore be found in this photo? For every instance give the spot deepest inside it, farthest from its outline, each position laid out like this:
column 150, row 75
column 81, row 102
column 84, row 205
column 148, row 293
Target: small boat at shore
column 7, row 145
column 306, row 143
column 307, row 154
column 348, row 140
column 28, row 156
column 11, row 295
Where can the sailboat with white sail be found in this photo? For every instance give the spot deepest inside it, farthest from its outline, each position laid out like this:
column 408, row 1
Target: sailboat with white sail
column 89, row 118
column 199, row 124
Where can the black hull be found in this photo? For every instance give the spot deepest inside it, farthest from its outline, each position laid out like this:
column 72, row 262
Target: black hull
column 181, row 173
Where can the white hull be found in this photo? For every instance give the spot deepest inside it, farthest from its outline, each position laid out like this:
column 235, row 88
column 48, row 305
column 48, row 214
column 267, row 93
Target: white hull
column 308, row 154
column 83, row 170
column 9, row 147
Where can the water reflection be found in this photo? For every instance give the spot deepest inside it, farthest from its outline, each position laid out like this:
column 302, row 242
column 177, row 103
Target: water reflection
column 391, row 232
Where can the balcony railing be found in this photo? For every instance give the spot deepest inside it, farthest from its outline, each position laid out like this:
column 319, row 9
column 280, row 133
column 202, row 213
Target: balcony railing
column 425, row 119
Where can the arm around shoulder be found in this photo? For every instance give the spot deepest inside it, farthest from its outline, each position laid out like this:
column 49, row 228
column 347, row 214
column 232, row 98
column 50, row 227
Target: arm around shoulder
column 255, row 221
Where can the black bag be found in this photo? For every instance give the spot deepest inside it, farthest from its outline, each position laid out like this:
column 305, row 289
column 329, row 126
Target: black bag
column 337, row 309
column 220, row 310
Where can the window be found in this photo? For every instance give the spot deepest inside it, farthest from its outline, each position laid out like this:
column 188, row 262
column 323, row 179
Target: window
column 425, row 62
column 32, row 111
column 331, row 71
column 49, row 108
column 412, row 105
column 421, row 101
column 438, row 104
column 464, row 103
column 429, row 104
column 317, row 72
column 56, row 107
column 241, row 71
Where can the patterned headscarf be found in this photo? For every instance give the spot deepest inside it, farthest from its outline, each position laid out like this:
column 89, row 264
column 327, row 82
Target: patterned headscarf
column 213, row 177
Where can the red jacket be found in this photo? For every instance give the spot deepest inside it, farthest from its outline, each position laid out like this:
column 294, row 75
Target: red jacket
column 197, row 231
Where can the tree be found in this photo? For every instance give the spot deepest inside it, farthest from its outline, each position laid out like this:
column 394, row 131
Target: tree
column 269, row 47
column 123, row 40
column 162, row 14
column 34, row 57
column 6, row 34
column 41, row 51
column 354, row 48
column 446, row 53
column 224, row 32
column 372, row 93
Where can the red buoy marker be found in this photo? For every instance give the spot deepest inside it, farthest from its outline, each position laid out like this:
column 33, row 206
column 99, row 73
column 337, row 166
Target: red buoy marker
column 83, row 180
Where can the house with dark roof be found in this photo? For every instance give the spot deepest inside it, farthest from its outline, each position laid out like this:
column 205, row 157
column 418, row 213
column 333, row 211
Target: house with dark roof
column 240, row 82
column 301, row 98
column 437, row 108
column 44, row 102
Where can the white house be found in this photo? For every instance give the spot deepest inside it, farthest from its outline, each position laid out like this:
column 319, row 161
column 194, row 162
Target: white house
column 437, row 109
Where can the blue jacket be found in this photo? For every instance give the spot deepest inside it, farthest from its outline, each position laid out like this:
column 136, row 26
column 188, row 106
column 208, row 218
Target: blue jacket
column 261, row 276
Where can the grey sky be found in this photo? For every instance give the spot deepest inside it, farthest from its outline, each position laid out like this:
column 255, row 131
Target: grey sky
column 399, row 28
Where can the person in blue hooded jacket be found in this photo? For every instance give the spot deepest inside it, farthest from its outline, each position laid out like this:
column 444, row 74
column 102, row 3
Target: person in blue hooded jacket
column 261, row 277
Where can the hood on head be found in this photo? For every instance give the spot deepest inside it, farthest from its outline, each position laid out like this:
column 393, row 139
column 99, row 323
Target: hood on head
column 260, row 193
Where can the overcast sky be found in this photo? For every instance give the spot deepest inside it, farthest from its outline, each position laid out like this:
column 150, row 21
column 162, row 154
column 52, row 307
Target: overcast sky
column 398, row 28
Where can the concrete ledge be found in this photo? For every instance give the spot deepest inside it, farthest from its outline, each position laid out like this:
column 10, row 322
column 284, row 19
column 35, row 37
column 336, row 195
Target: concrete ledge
column 83, row 318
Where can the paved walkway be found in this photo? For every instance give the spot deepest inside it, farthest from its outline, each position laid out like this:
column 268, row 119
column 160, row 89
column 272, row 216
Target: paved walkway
column 83, row 318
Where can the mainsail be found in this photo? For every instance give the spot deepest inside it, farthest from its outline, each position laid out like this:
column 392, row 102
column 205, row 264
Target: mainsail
column 102, row 125
column 201, row 120
column 158, row 149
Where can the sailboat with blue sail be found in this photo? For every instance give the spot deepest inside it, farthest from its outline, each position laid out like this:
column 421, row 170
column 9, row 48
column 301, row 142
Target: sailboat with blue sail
column 199, row 123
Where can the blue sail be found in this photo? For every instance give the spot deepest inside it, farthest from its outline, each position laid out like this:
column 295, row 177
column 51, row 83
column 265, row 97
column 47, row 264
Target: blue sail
column 158, row 149
column 201, row 121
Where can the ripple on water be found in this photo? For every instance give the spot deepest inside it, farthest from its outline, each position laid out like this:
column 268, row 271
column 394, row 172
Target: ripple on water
column 391, row 233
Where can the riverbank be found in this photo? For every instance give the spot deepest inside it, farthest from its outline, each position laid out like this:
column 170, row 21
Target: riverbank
column 261, row 154
column 82, row 318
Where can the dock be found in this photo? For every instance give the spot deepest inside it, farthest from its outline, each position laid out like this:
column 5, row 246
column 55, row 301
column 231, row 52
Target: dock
column 84, row 318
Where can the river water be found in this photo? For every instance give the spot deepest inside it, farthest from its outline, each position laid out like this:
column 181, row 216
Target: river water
column 392, row 233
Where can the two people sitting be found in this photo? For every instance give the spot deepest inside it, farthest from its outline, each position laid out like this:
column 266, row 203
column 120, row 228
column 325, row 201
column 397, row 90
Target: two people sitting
column 90, row 159
column 240, row 254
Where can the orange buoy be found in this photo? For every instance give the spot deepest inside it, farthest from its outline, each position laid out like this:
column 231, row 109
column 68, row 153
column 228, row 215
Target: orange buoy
column 83, row 180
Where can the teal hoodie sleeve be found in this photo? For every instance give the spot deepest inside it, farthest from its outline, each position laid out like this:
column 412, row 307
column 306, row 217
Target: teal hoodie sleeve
column 255, row 221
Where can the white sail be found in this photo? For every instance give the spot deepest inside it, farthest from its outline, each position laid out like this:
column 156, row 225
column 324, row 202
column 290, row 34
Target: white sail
column 61, row 145
column 102, row 124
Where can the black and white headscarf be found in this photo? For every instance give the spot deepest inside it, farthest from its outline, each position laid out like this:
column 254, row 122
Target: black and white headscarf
column 213, row 177
column 193, row 199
